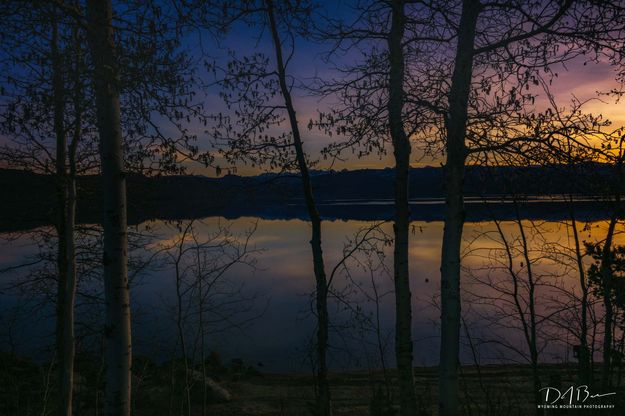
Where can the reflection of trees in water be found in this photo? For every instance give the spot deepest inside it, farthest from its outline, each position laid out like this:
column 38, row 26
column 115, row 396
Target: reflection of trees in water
column 524, row 301
column 360, row 283
column 496, row 257
column 208, row 301
column 32, row 278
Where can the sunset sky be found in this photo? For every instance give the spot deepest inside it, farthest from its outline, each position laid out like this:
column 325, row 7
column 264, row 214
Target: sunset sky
column 580, row 81
column 574, row 80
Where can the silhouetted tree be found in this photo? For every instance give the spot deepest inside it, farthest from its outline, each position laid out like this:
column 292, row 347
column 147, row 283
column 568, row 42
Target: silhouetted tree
column 517, row 41
column 49, row 95
column 114, row 224
column 260, row 88
column 207, row 300
column 382, row 102
column 401, row 151
column 44, row 97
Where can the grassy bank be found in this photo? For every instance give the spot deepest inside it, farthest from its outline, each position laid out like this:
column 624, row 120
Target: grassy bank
column 27, row 388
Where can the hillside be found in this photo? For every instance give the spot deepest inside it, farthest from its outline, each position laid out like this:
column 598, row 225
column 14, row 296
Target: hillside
column 28, row 198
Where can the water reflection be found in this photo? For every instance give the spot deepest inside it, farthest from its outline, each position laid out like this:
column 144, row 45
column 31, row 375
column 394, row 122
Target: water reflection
column 281, row 283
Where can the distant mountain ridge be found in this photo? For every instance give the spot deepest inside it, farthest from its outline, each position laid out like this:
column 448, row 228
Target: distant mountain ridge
column 29, row 197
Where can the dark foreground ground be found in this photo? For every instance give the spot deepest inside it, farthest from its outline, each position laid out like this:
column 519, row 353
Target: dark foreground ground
column 27, row 388
column 491, row 390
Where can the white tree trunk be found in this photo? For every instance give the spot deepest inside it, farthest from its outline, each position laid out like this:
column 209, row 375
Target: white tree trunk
column 115, row 258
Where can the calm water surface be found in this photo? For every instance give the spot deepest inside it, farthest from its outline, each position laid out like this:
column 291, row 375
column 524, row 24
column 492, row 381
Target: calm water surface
column 275, row 325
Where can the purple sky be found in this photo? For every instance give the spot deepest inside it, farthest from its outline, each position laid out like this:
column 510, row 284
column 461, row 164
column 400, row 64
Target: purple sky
column 576, row 80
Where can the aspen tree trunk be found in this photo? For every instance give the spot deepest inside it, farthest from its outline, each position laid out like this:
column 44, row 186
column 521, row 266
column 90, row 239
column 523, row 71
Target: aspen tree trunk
column 180, row 319
column 68, row 295
column 401, row 151
column 584, row 359
column 118, row 353
column 64, row 350
column 583, row 355
column 606, row 277
column 323, row 394
column 531, row 299
column 454, row 210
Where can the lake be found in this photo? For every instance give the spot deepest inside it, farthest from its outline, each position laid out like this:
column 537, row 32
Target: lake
column 260, row 309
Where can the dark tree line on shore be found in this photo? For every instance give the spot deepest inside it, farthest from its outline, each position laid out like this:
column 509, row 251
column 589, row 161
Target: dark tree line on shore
column 113, row 87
